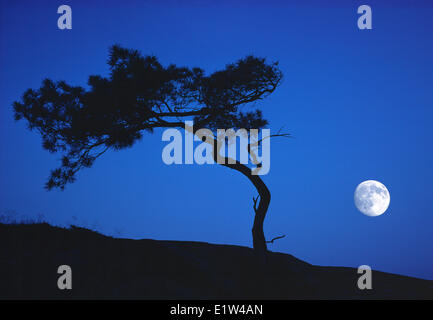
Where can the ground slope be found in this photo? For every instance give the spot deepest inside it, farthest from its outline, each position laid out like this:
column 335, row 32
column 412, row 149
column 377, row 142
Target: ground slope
column 107, row 268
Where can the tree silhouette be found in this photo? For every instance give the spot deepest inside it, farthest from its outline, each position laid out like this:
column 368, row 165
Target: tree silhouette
column 139, row 95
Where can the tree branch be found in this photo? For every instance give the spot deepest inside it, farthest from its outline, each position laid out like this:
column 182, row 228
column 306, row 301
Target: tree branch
column 276, row 238
column 255, row 203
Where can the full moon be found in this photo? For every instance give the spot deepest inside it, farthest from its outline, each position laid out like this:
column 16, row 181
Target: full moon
column 372, row 198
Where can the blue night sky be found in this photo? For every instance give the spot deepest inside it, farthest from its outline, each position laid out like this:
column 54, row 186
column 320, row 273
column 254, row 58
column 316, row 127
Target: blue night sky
column 359, row 104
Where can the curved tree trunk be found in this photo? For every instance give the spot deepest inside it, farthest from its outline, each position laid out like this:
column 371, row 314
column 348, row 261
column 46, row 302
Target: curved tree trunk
column 259, row 241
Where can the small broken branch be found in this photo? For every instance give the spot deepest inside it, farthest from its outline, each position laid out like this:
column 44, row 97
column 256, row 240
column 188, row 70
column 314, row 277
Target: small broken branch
column 255, row 203
column 276, row 238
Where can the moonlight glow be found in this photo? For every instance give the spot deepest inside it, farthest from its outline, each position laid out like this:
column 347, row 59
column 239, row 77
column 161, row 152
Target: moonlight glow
column 372, row 198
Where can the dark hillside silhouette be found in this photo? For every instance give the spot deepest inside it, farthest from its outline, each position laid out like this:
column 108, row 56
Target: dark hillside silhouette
column 139, row 95
column 104, row 267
